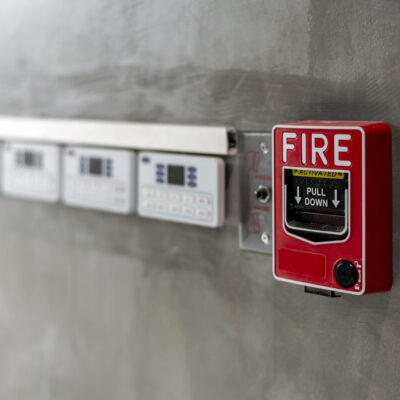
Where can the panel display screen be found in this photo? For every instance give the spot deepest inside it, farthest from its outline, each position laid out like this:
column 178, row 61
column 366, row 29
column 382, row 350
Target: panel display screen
column 95, row 166
column 176, row 175
column 29, row 159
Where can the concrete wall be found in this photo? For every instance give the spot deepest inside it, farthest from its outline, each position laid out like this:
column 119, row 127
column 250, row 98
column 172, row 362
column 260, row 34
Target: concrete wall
column 97, row 306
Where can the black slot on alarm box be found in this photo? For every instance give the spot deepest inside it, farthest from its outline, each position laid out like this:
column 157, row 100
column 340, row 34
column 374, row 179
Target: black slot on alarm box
column 317, row 204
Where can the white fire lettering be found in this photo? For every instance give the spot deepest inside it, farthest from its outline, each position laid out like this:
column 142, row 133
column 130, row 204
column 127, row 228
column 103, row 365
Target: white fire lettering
column 287, row 146
column 319, row 146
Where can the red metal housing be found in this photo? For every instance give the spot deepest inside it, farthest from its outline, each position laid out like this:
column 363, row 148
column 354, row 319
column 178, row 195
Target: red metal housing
column 332, row 200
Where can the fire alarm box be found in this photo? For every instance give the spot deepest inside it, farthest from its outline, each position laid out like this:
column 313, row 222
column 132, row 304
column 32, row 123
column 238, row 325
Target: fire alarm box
column 332, row 198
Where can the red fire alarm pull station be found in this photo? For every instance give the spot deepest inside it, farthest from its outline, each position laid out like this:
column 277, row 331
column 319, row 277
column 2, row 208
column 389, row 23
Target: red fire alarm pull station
column 333, row 205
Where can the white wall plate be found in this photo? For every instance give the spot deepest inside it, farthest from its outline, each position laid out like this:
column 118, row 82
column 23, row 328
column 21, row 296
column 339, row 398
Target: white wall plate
column 101, row 179
column 31, row 171
column 182, row 188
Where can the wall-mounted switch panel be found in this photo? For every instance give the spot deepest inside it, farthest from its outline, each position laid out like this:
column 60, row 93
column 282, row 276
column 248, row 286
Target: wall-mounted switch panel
column 182, row 188
column 255, row 229
column 101, row 179
column 31, row 171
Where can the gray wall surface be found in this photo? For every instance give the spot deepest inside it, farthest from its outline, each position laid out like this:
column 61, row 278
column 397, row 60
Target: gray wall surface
column 99, row 306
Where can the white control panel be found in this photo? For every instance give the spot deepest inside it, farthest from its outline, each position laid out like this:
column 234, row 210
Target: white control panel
column 182, row 188
column 31, row 171
column 101, row 179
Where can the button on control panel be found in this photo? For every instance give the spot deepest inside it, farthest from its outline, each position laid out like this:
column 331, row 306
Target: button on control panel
column 101, row 179
column 31, row 171
column 189, row 189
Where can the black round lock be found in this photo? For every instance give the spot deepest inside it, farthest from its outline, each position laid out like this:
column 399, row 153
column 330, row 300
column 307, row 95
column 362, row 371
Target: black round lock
column 346, row 274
